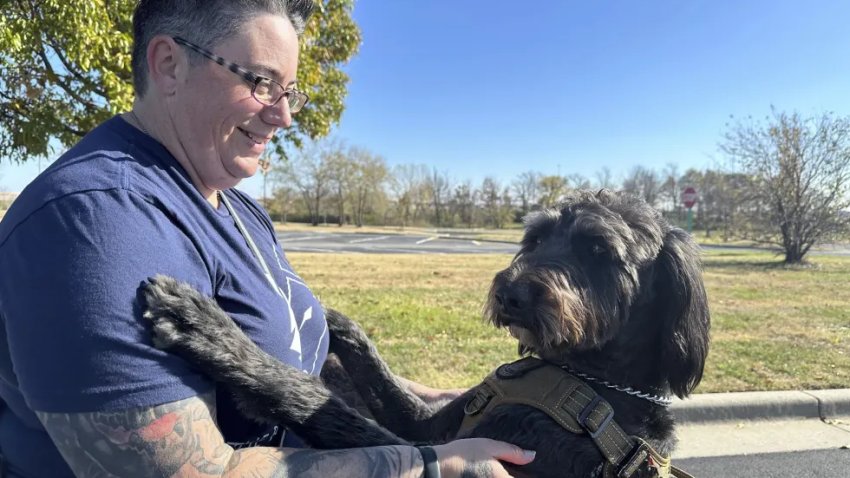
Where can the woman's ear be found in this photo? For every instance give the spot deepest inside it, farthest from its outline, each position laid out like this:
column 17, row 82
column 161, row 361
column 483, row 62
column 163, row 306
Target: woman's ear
column 167, row 64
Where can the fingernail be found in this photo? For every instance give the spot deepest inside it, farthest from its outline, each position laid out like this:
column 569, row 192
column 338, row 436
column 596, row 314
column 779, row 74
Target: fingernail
column 530, row 454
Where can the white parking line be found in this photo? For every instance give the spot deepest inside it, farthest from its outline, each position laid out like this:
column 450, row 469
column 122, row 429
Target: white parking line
column 476, row 243
column 300, row 238
column 368, row 239
column 427, row 239
column 312, row 249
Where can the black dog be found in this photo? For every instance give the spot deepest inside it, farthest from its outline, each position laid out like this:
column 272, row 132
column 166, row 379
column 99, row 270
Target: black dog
column 604, row 286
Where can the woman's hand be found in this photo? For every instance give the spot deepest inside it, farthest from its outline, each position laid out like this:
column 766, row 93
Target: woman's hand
column 429, row 394
column 479, row 458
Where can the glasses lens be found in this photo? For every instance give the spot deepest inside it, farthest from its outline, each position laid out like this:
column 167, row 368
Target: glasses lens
column 296, row 100
column 270, row 92
column 267, row 91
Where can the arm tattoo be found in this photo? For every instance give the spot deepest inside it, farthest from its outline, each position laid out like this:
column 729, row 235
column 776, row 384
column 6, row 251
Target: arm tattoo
column 165, row 440
column 182, row 439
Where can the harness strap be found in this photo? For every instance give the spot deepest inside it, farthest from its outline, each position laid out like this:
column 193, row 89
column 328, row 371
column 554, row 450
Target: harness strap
column 572, row 404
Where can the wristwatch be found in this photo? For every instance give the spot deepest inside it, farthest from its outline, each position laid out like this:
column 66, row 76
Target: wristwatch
column 429, row 458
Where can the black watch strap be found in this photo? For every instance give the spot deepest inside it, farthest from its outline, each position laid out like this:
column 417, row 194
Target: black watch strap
column 429, row 458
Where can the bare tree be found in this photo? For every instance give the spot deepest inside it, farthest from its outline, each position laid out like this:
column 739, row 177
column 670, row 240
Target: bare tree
column 406, row 184
column 307, row 171
column 495, row 201
column 729, row 196
column 340, row 169
column 439, row 187
column 604, row 179
column 644, row 183
column 369, row 173
column 800, row 172
column 527, row 190
column 282, row 202
column 463, row 203
column 670, row 189
column 578, row 181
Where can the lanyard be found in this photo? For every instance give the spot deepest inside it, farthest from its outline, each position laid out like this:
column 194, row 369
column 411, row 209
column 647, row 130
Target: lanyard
column 244, row 231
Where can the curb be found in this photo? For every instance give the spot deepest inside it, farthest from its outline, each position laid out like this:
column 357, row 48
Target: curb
column 799, row 404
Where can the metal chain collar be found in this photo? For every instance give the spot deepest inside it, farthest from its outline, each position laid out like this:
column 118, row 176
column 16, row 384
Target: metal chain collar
column 664, row 401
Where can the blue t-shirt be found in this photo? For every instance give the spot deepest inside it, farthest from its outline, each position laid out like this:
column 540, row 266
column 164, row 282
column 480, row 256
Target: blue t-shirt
column 74, row 248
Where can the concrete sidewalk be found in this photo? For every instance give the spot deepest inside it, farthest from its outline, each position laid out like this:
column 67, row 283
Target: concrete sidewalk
column 726, row 424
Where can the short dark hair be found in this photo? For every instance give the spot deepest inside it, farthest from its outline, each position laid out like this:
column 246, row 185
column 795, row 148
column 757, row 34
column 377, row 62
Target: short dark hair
column 204, row 22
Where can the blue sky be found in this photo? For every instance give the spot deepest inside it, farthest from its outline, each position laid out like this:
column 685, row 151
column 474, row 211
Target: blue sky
column 477, row 87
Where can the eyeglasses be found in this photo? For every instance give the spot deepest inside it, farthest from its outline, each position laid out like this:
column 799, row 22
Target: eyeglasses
column 265, row 90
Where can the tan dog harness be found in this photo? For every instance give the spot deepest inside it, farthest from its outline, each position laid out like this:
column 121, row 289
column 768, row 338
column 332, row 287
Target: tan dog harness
column 572, row 404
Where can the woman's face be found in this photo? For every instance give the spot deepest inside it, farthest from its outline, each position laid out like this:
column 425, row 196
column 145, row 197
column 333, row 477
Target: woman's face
column 220, row 127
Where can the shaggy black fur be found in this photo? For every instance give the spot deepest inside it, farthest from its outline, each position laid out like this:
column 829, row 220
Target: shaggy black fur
column 603, row 285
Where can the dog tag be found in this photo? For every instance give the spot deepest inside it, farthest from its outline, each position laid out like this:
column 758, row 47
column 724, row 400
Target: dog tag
column 518, row 368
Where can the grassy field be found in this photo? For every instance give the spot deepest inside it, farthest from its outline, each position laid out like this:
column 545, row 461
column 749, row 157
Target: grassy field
column 773, row 328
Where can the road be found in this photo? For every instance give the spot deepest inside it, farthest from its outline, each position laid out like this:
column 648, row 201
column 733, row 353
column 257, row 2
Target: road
column 336, row 242
column 833, row 463
column 388, row 243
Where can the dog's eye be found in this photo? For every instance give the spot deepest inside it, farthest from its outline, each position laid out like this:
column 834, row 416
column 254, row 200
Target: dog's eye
column 531, row 242
column 597, row 248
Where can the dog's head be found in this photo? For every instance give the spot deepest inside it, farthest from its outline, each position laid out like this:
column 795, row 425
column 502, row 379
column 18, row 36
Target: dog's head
column 605, row 277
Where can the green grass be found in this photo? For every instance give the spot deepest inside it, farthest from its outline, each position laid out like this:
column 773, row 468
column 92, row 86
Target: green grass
column 773, row 328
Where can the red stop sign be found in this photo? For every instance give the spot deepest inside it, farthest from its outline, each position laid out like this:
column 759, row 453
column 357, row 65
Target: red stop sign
column 689, row 197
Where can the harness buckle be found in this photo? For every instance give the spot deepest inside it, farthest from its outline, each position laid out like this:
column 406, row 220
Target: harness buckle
column 637, row 457
column 478, row 401
column 588, row 410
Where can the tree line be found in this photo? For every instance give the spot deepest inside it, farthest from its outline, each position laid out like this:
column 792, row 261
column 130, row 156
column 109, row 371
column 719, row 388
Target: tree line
column 786, row 184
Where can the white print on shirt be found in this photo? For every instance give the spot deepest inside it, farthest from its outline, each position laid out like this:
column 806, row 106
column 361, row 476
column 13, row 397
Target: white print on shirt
column 295, row 346
column 293, row 280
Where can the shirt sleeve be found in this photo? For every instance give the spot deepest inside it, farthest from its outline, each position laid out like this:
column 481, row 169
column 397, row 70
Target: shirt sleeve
column 70, row 296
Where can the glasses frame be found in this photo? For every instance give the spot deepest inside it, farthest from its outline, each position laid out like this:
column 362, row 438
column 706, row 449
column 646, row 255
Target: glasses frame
column 296, row 98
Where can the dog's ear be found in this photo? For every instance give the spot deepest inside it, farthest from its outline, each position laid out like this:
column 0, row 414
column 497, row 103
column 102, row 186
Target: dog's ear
column 683, row 304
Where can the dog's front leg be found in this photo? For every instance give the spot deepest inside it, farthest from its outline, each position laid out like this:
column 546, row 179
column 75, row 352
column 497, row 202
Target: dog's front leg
column 391, row 402
column 265, row 388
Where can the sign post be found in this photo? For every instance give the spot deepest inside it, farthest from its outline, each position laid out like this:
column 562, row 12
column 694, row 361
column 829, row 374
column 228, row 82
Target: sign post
column 689, row 198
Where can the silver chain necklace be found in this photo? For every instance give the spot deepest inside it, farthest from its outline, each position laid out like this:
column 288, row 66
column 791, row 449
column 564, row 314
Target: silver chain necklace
column 251, row 244
column 656, row 399
column 139, row 122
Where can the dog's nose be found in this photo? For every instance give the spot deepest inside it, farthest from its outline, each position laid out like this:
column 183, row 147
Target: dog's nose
column 515, row 297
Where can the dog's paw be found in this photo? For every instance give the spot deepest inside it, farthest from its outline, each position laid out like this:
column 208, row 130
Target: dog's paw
column 344, row 332
column 182, row 316
column 338, row 322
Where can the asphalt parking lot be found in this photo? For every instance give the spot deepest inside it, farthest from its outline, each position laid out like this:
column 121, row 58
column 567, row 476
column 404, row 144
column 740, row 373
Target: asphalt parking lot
column 332, row 242
column 372, row 243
